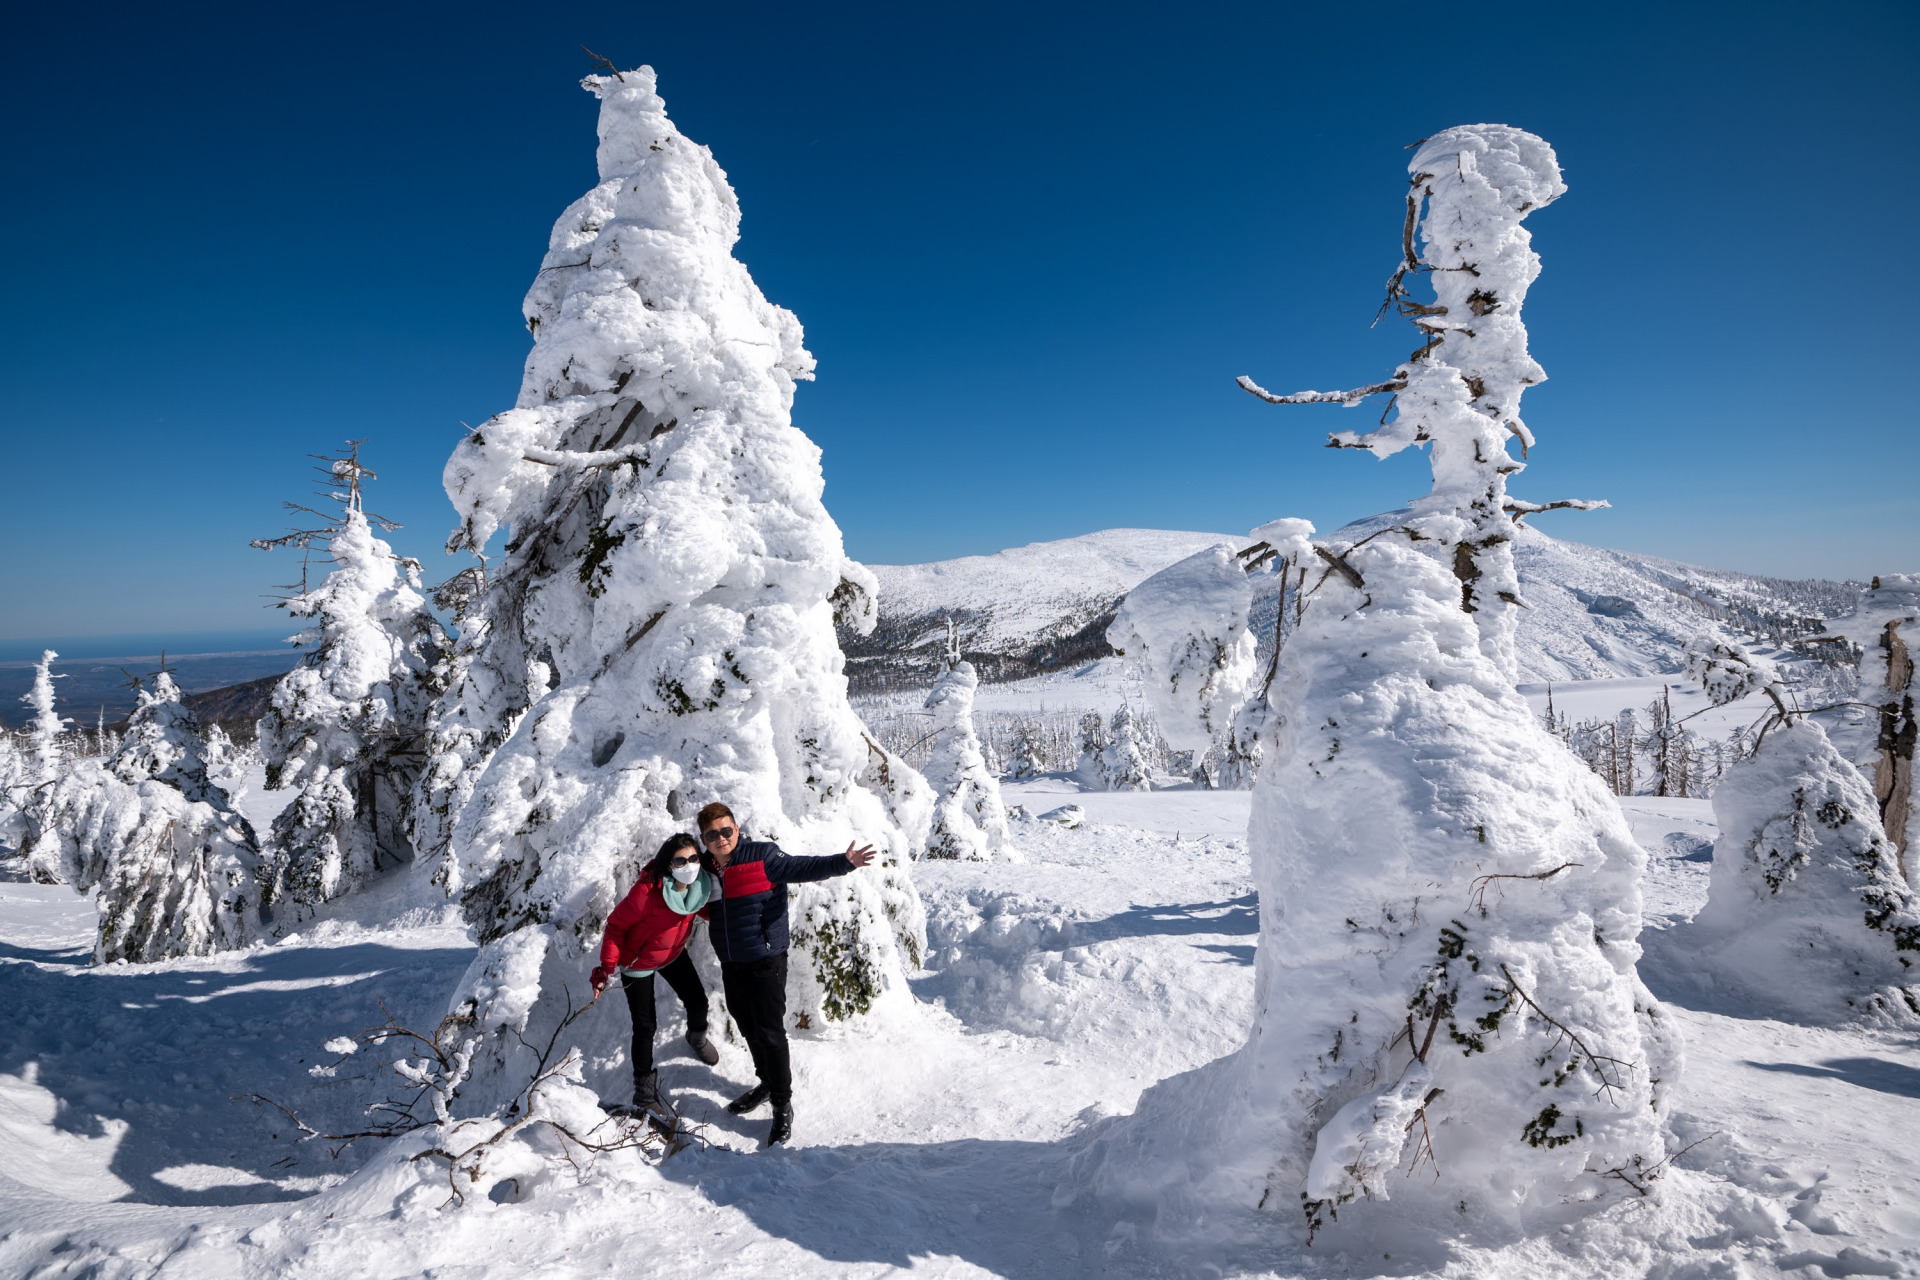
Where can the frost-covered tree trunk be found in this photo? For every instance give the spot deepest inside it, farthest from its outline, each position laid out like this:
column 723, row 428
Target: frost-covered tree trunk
column 1808, row 915
column 38, row 769
column 176, row 871
column 1449, row 901
column 347, row 727
column 659, row 632
column 969, row 818
column 1886, row 627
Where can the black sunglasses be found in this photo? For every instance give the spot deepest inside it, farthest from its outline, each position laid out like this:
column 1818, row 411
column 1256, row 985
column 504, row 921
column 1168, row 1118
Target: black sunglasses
column 687, row 861
column 714, row 835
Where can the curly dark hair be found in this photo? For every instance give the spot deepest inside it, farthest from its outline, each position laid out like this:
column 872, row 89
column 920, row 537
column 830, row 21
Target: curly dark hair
column 661, row 864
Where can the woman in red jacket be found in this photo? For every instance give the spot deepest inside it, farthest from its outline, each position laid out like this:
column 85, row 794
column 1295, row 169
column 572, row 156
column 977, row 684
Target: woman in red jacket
column 647, row 934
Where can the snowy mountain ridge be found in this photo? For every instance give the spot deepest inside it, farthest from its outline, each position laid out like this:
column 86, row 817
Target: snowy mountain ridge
column 1591, row 613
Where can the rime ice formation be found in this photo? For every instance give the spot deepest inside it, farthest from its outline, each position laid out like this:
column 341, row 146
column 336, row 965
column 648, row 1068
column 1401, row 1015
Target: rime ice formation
column 660, row 630
column 969, row 818
column 1808, row 915
column 1449, row 902
column 177, row 872
column 346, row 726
column 1185, row 630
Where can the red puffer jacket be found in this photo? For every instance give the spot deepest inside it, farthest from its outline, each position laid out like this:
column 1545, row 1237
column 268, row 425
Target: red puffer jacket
column 644, row 932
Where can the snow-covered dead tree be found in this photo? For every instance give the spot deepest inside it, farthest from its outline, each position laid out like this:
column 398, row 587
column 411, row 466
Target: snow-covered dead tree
column 969, row 818
column 347, row 727
column 176, row 871
column 1808, row 916
column 1450, row 907
column 659, row 629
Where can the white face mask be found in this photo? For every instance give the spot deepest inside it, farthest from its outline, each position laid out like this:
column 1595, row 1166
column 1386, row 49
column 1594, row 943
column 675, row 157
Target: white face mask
column 687, row 874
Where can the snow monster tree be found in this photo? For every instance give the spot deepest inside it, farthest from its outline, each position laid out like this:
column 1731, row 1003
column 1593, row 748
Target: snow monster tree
column 969, row 818
column 1448, row 1013
column 1808, row 915
column 659, row 629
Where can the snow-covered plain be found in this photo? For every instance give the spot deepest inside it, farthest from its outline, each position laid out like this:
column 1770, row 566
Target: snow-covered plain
column 1119, row 955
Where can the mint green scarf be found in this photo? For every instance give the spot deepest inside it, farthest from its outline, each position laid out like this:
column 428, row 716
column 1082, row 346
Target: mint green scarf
column 683, row 900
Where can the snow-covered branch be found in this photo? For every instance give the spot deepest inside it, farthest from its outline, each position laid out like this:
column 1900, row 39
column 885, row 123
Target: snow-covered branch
column 1348, row 398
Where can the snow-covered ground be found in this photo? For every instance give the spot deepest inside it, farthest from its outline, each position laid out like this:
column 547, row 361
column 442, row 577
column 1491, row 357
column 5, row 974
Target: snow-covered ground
column 1119, row 954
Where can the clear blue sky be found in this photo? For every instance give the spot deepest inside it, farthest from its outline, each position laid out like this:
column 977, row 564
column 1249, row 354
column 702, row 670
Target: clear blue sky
column 1031, row 246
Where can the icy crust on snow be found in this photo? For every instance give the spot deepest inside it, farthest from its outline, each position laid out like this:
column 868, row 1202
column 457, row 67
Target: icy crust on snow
column 343, row 726
column 660, row 631
column 1808, row 916
column 1407, row 770
column 1185, row 630
column 969, row 818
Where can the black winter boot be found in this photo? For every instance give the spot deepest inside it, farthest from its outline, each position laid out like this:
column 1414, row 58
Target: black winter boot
column 703, row 1047
column 646, row 1092
column 750, row 1100
column 782, row 1123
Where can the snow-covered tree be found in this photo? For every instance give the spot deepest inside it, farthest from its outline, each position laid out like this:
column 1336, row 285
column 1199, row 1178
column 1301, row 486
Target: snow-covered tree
column 347, row 727
column 47, row 724
column 1808, row 915
column 1450, row 907
column 659, row 629
column 1122, row 764
column 1026, row 757
column 176, row 871
column 1883, row 628
column 969, row 818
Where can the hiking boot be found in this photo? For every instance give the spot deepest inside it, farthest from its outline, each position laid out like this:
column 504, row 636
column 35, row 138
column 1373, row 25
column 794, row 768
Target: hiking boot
column 750, row 1100
column 782, row 1128
column 646, row 1092
column 703, row 1048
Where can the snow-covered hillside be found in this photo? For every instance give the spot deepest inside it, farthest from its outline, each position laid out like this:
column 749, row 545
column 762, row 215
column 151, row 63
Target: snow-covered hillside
column 1020, row 612
column 1591, row 614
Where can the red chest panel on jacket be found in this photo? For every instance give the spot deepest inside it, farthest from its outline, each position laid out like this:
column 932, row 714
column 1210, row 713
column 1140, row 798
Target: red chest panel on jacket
column 743, row 879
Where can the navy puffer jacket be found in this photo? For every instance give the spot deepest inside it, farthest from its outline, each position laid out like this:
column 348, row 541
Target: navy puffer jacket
column 749, row 920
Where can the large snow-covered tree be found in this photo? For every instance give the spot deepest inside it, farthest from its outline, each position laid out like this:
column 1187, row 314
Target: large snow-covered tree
column 346, row 729
column 175, row 870
column 1185, row 632
column 47, row 724
column 1808, row 915
column 1449, row 901
column 658, row 631
column 969, row 818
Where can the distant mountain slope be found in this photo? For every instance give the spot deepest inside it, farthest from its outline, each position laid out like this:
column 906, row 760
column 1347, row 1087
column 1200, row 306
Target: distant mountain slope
column 1591, row 613
column 1020, row 612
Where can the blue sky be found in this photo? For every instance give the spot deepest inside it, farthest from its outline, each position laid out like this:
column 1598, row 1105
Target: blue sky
column 1032, row 245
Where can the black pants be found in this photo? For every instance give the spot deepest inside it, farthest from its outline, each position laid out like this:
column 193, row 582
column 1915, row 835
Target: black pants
column 685, row 981
column 757, row 998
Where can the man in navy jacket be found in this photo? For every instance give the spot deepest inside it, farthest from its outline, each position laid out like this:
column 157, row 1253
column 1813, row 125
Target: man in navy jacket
column 748, row 929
